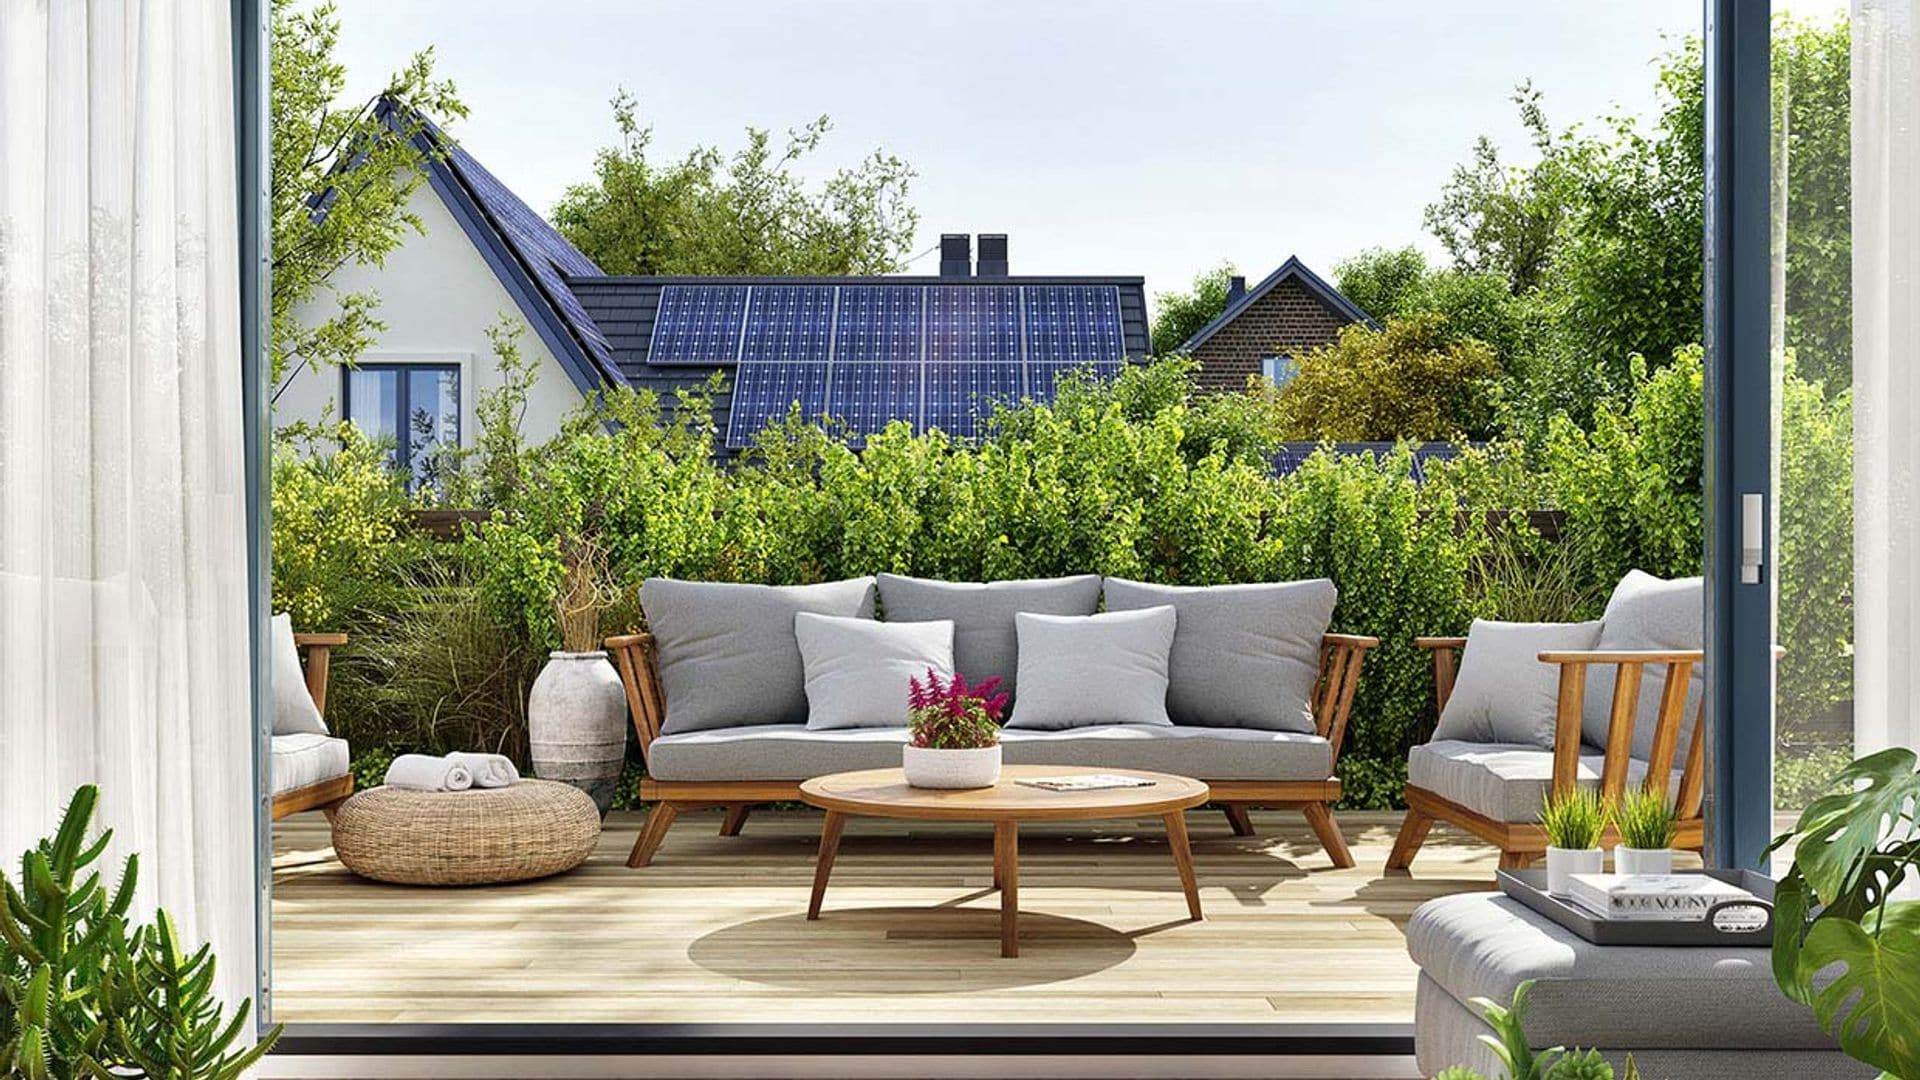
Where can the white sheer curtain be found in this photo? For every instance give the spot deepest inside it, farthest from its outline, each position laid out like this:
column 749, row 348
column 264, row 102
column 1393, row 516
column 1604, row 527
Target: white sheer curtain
column 1886, row 373
column 123, row 602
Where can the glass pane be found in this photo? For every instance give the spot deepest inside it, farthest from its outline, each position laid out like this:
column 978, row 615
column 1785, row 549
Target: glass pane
column 373, row 403
column 1812, row 353
column 433, row 422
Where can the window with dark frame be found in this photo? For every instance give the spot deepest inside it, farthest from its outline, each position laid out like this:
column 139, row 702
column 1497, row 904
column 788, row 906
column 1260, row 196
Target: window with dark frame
column 415, row 408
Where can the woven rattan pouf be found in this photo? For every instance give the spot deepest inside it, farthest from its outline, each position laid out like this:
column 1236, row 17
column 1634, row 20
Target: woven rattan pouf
column 529, row 830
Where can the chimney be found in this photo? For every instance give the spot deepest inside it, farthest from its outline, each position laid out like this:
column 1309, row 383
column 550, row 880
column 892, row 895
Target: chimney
column 1236, row 288
column 993, row 255
column 956, row 255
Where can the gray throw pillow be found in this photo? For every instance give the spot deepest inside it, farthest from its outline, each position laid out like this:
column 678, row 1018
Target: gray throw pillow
column 728, row 657
column 1646, row 612
column 857, row 669
column 294, row 712
column 1086, row 670
column 1504, row 692
column 1244, row 656
column 984, row 641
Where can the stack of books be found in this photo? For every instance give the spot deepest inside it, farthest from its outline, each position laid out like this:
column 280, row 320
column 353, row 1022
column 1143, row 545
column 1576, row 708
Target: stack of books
column 1653, row 897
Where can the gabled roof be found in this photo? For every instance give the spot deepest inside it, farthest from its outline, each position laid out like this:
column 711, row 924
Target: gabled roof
column 531, row 258
column 1291, row 270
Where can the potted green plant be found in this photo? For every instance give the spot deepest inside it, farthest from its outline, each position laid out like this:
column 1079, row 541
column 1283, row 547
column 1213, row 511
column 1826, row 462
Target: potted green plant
column 1644, row 820
column 577, row 709
column 1574, row 823
column 953, row 732
column 1842, row 943
column 1509, row 1044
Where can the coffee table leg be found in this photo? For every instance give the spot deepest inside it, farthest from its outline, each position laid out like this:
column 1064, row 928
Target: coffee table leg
column 1006, row 872
column 823, row 866
column 1183, row 860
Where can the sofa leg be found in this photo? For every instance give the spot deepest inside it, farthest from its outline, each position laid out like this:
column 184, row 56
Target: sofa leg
column 1238, row 818
column 1320, row 816
column 736, row 817
column 1413, row 833
column 652, row 831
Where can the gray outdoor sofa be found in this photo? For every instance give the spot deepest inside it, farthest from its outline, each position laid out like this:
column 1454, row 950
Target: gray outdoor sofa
column 717, row 655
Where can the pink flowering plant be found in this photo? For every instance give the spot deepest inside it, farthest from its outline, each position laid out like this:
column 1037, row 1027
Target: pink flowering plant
column 947, row 714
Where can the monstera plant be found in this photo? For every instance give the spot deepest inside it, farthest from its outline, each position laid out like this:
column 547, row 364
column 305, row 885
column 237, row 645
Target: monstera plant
column 1842, row 943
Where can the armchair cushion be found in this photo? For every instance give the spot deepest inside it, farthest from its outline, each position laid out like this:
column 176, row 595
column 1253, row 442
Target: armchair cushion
column 1646, row 612
column 727, row 653
column 294, row 712
column 1244, row 656
column 1504, row 693
column 1504, row 781
column 1087, row 670
column 858, row 669
column 304, row 759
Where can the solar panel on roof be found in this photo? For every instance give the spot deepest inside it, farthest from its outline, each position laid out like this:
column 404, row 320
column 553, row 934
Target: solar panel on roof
column 960, row 397
column 763, row 392
column 1073, row 324
column 698, row 324
column 879, row 324
column 973, row 323
column 788, row 324
column 868, row 397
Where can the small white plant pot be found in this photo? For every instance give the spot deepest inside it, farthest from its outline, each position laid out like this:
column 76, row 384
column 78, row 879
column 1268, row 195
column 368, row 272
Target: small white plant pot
column 1563, row 863
column 1627, row 860
column 977, row 768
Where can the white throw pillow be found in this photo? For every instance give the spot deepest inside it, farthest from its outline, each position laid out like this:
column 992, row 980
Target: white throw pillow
column 294, row 712
column 1086, row 670
column 857, row 669
column 1646, row 612
column 1504, row 693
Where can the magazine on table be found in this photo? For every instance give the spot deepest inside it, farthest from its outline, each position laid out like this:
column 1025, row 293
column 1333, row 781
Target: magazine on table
column 1091, row 782
column 1653, row 897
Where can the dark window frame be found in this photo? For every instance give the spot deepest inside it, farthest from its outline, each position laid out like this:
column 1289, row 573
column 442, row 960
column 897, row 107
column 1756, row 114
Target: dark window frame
column 403, row 403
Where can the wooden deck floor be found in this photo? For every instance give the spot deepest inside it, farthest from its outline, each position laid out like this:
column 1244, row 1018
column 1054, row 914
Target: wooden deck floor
column 716, row 929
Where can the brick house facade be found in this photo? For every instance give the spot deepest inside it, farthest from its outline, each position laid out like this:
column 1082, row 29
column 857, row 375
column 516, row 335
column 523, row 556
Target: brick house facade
column 1291, row 312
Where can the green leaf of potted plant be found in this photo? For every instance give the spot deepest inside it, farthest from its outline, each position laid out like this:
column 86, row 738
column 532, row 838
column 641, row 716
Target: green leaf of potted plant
column 1644, row 820
column 1574, row 824
column 953, row 732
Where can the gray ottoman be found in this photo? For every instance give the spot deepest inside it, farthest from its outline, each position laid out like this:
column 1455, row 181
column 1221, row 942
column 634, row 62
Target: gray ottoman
column 1698, row 1014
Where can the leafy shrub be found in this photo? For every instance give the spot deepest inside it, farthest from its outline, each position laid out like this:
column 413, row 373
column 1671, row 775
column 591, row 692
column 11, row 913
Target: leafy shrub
column 1815, row 610
column 338, row 511
column 1413, row 379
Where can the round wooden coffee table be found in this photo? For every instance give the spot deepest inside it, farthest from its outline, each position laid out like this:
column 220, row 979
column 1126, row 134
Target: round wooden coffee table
column 884, row 793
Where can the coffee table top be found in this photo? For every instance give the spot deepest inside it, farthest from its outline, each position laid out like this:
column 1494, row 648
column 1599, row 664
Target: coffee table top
column 884, row 793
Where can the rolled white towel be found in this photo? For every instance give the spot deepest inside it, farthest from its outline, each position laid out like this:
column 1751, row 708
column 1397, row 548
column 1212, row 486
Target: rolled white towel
column 489, row 770
column 419, row 772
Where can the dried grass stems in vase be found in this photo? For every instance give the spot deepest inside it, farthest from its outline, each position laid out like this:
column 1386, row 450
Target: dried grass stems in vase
column 585, row 593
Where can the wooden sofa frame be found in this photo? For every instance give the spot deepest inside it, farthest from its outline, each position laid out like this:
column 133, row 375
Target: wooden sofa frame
column 1341, row 658
column 1520, row 843
column 327, row 795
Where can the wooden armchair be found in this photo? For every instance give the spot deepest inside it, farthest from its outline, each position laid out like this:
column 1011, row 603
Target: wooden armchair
column 1341, row 658
column 1522, row 841
column 326, row 795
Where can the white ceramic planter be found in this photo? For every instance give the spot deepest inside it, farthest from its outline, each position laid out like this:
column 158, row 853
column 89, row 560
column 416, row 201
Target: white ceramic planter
column 577, row 724
column 1563, row 863
column 951, row 768
column 1627, row 860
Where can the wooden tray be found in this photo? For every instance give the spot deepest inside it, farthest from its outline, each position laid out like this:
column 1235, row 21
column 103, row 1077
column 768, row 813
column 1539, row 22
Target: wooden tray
column 1530, row 888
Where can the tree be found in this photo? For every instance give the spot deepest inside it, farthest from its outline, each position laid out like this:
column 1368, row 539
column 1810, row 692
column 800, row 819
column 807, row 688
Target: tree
column 342, row 178
column 1384, row 282
column 1411, row 379
column 745, row 213
column 1394, row 282
column 1178, row 316
column 1496, row 219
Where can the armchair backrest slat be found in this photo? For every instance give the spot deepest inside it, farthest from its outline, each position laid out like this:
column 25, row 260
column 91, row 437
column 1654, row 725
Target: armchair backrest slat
column 1566, row 728
column 1666, row 727
column 1620, row 722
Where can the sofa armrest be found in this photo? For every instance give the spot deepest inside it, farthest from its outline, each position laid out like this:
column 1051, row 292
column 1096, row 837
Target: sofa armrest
column 1341, row 658
column 319, row 649
column 634, row 655
column 1446, row 661
column 1630, row 666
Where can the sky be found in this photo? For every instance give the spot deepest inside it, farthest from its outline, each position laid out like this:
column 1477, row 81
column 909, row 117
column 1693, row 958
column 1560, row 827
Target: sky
column 1119, row 137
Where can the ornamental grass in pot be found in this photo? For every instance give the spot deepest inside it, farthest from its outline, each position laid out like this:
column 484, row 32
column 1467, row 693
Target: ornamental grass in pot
column 1644, row 820
column 953, row 732
column 577, row 708
column 1574, row 823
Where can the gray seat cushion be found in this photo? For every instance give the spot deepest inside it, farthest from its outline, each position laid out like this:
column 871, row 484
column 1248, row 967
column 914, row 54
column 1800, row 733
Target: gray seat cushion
column 1243, row 655
column 984, row 642
column 306, row 758
column 1503, row 781
column 728, row 655
column 1485, row 945
column 791, row 752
